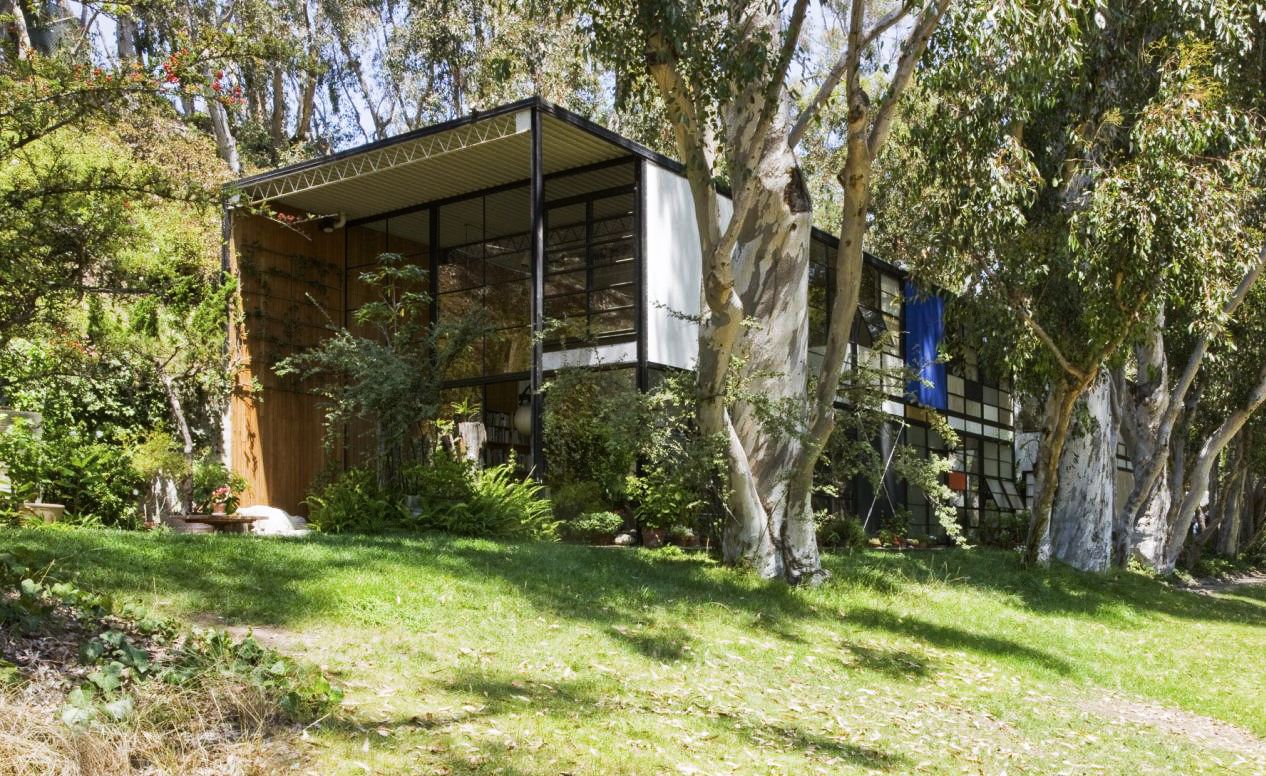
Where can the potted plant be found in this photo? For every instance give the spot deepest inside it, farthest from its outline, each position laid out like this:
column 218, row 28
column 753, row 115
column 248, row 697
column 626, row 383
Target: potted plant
column 216, row 490
column 597, row 528
column 682, row 536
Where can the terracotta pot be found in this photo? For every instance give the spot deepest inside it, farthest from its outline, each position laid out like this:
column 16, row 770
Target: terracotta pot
column 653, row 537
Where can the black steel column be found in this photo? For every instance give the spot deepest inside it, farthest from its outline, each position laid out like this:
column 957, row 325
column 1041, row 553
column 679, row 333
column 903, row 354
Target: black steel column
column 538, row 289
column 433, row 261
column 639, row 253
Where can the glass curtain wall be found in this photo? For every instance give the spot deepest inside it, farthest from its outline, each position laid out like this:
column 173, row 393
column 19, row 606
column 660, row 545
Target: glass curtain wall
column 483, row 271
column 592, row 267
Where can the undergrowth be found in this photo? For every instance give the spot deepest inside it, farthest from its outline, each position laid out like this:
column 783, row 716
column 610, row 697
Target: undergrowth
column 91, row 687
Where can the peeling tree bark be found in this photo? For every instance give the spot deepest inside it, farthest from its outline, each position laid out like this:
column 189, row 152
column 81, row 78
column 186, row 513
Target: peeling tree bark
column 1153, row 415
column 1056, row 417
column 1198, row 483
column 1080, row 532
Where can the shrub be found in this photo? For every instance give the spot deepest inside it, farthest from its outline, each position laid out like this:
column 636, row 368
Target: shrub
column 592, row 525
column 682, row 470
column 840, row 531
column 446, row 479
column 508, row 505
column 354, row 503
column 573, row 499
column 94, row 480
column 214, row 484
column 593, row 428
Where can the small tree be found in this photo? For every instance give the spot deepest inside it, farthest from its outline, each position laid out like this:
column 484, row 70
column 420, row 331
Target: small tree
column 390, row 380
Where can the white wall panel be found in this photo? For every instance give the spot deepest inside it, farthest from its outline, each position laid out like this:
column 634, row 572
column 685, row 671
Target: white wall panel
column 601, row 355
column 673, row 268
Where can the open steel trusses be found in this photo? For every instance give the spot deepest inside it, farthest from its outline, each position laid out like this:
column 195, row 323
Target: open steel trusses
column 392, row 155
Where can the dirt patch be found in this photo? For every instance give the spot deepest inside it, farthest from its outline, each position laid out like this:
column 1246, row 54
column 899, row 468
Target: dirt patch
column 1210, row 585
column 1204, row 732
column 279, row 639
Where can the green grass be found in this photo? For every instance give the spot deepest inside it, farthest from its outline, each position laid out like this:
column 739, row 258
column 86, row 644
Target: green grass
column 467, row 656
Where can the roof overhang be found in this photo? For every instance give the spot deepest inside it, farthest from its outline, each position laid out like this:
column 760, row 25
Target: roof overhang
column 477, row 152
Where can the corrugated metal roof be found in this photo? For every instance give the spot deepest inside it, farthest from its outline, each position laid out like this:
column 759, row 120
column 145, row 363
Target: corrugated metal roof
column 484, row 152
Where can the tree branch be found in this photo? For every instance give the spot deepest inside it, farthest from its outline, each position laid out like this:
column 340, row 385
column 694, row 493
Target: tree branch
column 912, row 52
column 833, row 76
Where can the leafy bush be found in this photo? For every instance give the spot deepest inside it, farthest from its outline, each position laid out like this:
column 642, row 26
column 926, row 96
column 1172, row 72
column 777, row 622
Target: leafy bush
column 840, row 531
column 451, row 496
column 593, row 428
column 354, row 503
column 682, row 470
column 573, row 499
column 94, row 480
column 503, row 504
column 444, row 480
column 592, row 525
column 214, row 484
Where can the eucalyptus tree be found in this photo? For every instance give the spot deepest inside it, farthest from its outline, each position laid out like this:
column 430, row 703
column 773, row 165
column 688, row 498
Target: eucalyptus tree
column 720, row 71
column 1074, row 168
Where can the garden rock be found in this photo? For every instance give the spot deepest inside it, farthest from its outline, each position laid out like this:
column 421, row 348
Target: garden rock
column 625, row 539
column 275, row 522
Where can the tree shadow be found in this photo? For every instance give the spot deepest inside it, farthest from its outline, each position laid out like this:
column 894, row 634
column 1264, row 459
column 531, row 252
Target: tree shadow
column 893, row 663
column 1114, row 596
column 949, row 637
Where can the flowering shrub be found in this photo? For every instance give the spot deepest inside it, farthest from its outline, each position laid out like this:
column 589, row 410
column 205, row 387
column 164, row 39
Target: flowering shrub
column 215, row 486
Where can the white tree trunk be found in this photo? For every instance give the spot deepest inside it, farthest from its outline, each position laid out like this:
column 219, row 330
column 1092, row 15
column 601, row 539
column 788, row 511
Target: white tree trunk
column 1143, row 409
column 1197, row 486
column 1080, row 531
column 225, row 143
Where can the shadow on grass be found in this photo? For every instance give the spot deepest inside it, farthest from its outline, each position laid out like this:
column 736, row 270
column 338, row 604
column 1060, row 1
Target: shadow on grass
column 625, row 593
column 949, row 637
column 1059, row 590
column 893, row 663
column 485, row 696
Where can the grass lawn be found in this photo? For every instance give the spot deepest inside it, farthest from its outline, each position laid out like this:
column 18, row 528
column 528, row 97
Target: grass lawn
column 466, row 656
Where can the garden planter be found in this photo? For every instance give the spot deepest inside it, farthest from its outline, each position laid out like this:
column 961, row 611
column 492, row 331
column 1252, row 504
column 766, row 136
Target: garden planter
column 49, row 513
column 601, row 539
column 653, row 537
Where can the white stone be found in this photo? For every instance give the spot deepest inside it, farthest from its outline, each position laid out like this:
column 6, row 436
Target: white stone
column 275, row 522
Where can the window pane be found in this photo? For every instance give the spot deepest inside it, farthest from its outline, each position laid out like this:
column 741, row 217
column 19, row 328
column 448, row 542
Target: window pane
column 509, row 304
column 457, row 305
column 613, row 275
column 507, row 265
column 610, row 323
column 565, row 283
column 461, row 268
column 508, row 350
column 565, row 306
column 611, row 252
column 613, row 298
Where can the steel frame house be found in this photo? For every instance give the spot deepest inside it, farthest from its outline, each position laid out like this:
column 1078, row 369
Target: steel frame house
column 580, row 247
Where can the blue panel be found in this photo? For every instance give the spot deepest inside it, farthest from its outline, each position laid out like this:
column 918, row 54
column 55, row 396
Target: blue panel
column 925, row 328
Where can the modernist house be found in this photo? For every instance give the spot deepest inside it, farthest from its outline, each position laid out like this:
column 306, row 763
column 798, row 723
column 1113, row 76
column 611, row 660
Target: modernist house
column 538, row 215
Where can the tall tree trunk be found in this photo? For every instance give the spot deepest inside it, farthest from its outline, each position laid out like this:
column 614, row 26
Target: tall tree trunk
column 278, row 119
column 225, row 143
column 773, row 272
column 1158, row 407
column 1231, row 520
column 182, row 426
column 1198, row 483
column 1082, row 517
column 1056, row 417
column 307, row 105
column 126, row 38
column 21, row 30
column 1143, row 407
column 756, row 264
